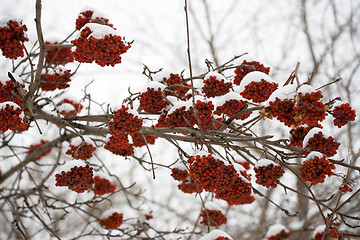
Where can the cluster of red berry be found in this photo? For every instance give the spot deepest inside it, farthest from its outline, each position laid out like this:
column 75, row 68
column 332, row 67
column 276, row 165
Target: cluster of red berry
column 139, row 141
column 280, row 236
column 78, row 179
column 59, row 55
column 334, row 234
column 346, row 188
column 83, row 151
column 12, row 38
column 247, row 67
column 187, row 184
column 327, row 146
column 222, row 238
column 10, row 118
column 87, row 17
column 215, row 87
column 124, row 122
column 214, row 176
column 213, row 218
column 231, row 107
column 103, row 186
column 33, row 147
column 105, row 51
column 119, row 145
column 284, row 111
column 268, row 175
column 8, row 92
column 315, row 169
column 309, row 109
column 343, row 114
column 57, row 80
column 176, row 86
column 152, row 101
column 259, row 91
column 297, row 135
column 113, row 221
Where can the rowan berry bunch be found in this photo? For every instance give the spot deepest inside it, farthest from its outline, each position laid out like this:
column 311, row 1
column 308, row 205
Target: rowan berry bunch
column 83, row 151
column 10, row 115
column 78, row 179
column 124, row 122
column 33, row 147
column 334, row 234
column 179, row 174
column 284, row 111
column 309, row 109
column 77, row 107
column 180, row 117
column 92, row 45
column 176, row 86
column 222, row 238
column 88, row 17
column 152, row 100
column 8, row 92
column 258, row 87
column 12, row 39
column 346, row 188
column 204, row 111
column 58, row 55
column 213, row 218
column 268, row 175
column 103, row 186
column 232, row 107
column 214, row 176
column 343, row 114
column 119, row 145
column 213, row 86
column 298, row 134
column 139, row 141
column 59, row 79
column 247, row 67
column 113, row 221
column 187, row 185
column 327, row 146
column 280, row 236
column 316, row 168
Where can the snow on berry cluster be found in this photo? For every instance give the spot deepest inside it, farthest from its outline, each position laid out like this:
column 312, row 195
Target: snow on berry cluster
column 257, row 86
column 334, row 234
column 58, row 78
column 268, row 173
column 12, row 38
column 76, row 175
column 187, row 184
column 343, row 114
column 315, row 168
column 99, row 43
column 298, row 134
column 8, row 92
column 277, row 232
column 111, row 219
column 212, row 215
column 231, row 104
column 214, row 175
column 152, row 100
column 103, row 186
column 247, row 67
column 91, row 16
column 58, row 55
column 33, row 147
column 316, row 140
column 82, row 151
column 69, row 107
column 11, row 116
column 215, row 85
column 216, row 234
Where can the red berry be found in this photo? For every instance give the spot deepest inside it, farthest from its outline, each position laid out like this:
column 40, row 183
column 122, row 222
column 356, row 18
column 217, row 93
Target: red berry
column 343, row 114
column 113, row 221
column 78, row 179
column 82, row 151
column 103, row 186
column 12, row 38
column 213, row 218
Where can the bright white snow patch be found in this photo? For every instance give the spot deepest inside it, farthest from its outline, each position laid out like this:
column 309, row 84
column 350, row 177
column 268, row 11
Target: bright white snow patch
column 212, row 206
column 306, row 88
column 215, row 234
column 275, row 229
column 98, row 30
column 109, row 213
column 282, row 93
column 69, row 165
column 264, row 162
column 221, row 100
column 214, row 74
column 314, row 154
column 255, row 76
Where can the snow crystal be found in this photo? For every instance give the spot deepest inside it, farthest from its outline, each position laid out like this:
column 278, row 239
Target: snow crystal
column 215, row 234
column 275, row 229
column 314, row 154
column 109, row 213
column 311, row 133
column 154, row 85
column 319, row 229
column 264, row 162
column 282, row 93
column 99, row 31
column 255, row 76
column 69, row 165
